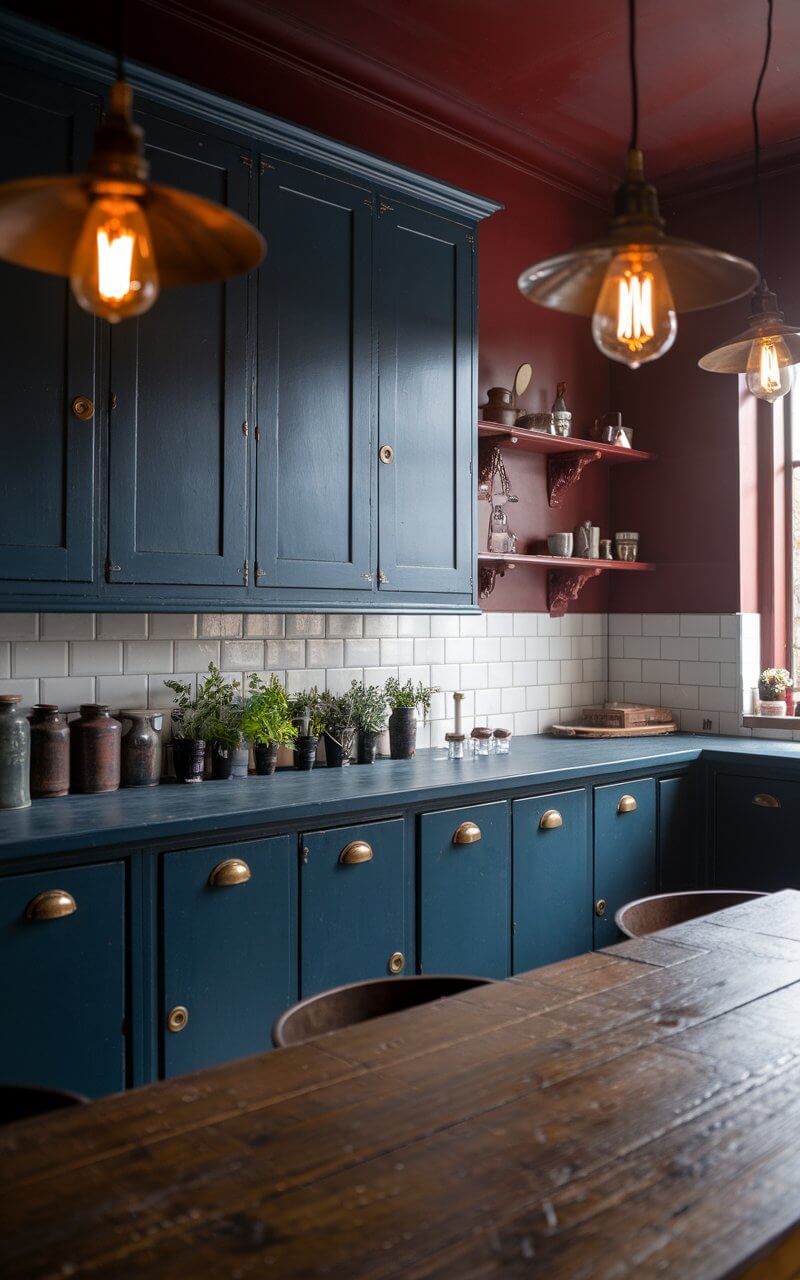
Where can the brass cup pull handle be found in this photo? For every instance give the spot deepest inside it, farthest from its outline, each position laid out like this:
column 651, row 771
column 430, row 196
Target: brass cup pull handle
column 765, row 801
column 466, row 833
column 386, row 454
column 83, row 408
column 232, row 871
column 53, row 904
column 177, row 1018
column 355, row 852
column 551, row 819
column 627, row 804
column 397, row 962
column 600, row 907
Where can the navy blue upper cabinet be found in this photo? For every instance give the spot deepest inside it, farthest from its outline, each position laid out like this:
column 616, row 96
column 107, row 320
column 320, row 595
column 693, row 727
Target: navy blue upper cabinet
column 47, row 357
column 552, row 879
column 424, row 317
column 178, row 443
column 624, row 851
column 314, row 381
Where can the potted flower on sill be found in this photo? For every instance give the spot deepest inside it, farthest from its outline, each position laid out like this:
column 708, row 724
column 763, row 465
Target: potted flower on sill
column 221, row 701
column 340, row 730
column 188, row 733
column 772, row 688
column 267, row 722
column 305, row 710
column 405, row 699
column 369, row 716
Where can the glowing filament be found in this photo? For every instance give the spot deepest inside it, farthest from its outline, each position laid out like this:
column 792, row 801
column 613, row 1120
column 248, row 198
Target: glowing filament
column 635, row 309
column 769, row 371
column 114, row 259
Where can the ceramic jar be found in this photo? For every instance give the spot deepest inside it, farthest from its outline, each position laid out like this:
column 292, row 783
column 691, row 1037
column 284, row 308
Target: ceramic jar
column 367, row 747
column 189, row 758
column 141, row 748
column 305, row 751
column 95, row 750
column 403, row 733
column 15, row 745
column 49, row 752
column 266, row 754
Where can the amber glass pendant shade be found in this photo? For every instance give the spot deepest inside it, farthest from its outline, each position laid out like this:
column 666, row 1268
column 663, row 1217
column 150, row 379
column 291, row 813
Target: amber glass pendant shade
column 118, row 237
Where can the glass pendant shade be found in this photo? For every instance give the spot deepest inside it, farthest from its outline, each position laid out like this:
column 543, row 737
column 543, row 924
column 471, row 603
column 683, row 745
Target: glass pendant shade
column 765, row 353
column 634, row 317
column 117, row 236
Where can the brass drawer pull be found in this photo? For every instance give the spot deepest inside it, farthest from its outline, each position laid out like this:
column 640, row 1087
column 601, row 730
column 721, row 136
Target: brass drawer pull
column 354, row 852
column 765, row 801
column 83, row 408
column 627, row 804
column 467, row 833
column 386, row 454
column 53, row 904
column 551, row 819
column 397, row 962
column 177, row 1018
column 232, row 871
column 600, row 907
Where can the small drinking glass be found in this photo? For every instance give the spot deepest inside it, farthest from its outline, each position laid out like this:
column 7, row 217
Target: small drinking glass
column 455, row 746
column 482, row 741
column 502, row 741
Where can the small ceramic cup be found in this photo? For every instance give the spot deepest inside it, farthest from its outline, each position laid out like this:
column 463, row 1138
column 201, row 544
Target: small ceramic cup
column 559, row 544
column 626, row 545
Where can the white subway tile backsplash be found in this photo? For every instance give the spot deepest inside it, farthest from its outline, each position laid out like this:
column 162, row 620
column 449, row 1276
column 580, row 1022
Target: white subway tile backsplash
column 118, row 692
column 304, row 624
column 679, row 696
column 39, row 658
column 501, row 674
column 413, row 625
column 122, row 626
column 661, row 624
column 459, row 649
column 442, row 625
column 625, row 624
column 19, row 626
column 362, row 653
column 66, row 626
column 67, row 692
column 699, row 673
column 29, row 690
column 428, row 650
column 325, row 653
column 383, row 625
column 242, row 655
column 395, row 652
column 624, row 668
column 500, row 624
column 640, row 646
column 345, row 626
column 658, row 669
column 195, row 655
column 140, row 657
column 474, row 675
column 686, row 648
column 285, row 654
column 265, row 626
column 473, row 624
column 339, row 679
column 526, row 624
column 722, row 650
column 173, row 626
column 699, row 624
column 95, row 658
column 5, row 659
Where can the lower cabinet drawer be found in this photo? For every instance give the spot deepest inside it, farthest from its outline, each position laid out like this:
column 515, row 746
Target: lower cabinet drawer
column 756, row 833
column 228, row 962
column 552, row 879
column 62, row 999
column 465, row 891
column 353, row 894
column 624, row 851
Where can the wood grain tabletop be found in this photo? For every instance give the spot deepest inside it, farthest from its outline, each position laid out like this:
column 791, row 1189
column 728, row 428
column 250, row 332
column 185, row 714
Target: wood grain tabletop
column 634, row 1112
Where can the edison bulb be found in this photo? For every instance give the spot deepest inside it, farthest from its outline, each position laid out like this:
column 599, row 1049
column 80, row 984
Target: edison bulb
column 769, row 368
column 113, row 272
column 634, row 317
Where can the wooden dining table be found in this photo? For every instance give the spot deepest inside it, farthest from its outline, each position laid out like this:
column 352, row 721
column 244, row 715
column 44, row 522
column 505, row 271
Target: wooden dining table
column 631, row 1112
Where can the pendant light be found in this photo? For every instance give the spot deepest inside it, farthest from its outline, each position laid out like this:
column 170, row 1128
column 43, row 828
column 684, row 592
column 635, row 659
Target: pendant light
column 768, row 350
column 116, row 235
column 634, row 282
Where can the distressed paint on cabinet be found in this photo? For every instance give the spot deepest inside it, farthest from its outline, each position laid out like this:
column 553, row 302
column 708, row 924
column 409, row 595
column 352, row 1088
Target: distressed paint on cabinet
column 552, row 880
column 464, row 893
column 352, row 918
column 757, row 820
column 62, row 999
column 624, row 851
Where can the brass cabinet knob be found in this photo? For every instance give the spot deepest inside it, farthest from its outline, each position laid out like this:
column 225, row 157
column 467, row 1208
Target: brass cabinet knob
column 551, row 819
column 232, row 871
column 83, row 408
column 354, row 852
column 177, row 1018
column 627, row 804
column 386, row 454
column 467, row 833
column 765, row 801
column 53, row 904
column 397, row 962
column 600, row 907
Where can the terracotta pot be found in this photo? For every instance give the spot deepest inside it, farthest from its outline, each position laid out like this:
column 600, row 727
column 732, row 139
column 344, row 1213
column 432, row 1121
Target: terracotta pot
column 49, row 752
column 15, row 747
column 266, row 758
column 221, row 762
column 189, row 755
column 403, row 733
column 305, row 751
column 367, row 747
column 94, row 750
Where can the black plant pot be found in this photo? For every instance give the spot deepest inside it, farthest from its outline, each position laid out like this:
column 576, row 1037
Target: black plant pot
column 305, row 751
column 367, row 747
column 221, row 762
column 189, row 755
column 266, row 758
column 403, row 733
column 334, row 752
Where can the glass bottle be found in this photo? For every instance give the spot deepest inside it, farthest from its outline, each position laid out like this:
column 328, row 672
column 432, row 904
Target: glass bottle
column 15, row 747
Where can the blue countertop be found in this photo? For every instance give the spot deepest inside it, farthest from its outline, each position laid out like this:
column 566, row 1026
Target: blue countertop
column 134, row 816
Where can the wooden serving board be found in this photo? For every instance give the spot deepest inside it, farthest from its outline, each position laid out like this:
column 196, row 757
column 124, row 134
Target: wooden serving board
column 597, row 731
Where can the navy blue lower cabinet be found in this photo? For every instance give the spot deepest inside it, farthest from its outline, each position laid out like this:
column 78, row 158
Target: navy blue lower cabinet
column 353, row 893
column 756, row 826
column 677, row 835
column 624, row 851
column 228, row 950
column 62, row 1000
column 552, row 879
column 464, row 889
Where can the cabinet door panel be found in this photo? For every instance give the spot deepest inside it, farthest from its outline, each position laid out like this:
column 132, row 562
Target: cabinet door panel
column 677, row 849
column 314, row 455
column 755, row 841
column 353, row 917
column 624, row 851
column 464, row 893
column 47, row 354
column 424, row 316
column 178, row 499
column 228, row 951
column 552, row 880
column 62, row 1003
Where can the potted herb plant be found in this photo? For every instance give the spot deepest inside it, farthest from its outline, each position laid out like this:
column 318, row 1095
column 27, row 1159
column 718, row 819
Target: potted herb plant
column 306, row 712
column 340, row 730
column 188, row 733
column 369, row 716
column 267, row 722
column 405, row 700
column 772, row 686
column 222, row 705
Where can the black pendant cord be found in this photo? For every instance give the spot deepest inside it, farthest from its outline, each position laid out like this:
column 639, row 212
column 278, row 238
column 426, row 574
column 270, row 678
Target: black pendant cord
column 634, row 142
column 119, row 37
column 757, row 151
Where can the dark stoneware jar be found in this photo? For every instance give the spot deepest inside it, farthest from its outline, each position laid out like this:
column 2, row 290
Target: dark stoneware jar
column 141, row 748
column 305, row 751
column 189, row 756
column 367, row 747
column 15, row 745
column 221, row 762
column 94, row 748
column 49, row 752
column 403, row 733
column 266, row 754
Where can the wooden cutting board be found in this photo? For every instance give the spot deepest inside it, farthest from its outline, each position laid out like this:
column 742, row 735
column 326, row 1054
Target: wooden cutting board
column 595, row 731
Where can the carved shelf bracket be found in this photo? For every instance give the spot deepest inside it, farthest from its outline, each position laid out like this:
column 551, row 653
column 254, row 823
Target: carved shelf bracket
column 487, row 578
column 563, row 470
column 564, row 586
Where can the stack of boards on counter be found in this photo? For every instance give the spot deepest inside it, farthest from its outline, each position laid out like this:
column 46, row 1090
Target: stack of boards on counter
column 618, row 720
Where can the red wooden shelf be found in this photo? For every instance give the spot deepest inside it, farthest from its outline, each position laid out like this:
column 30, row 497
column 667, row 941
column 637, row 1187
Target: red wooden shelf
column 540, row 442
column 566, row 562
column 566, row 576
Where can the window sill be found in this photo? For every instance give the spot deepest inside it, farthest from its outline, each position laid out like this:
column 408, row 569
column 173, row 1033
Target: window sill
column 789, row 724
